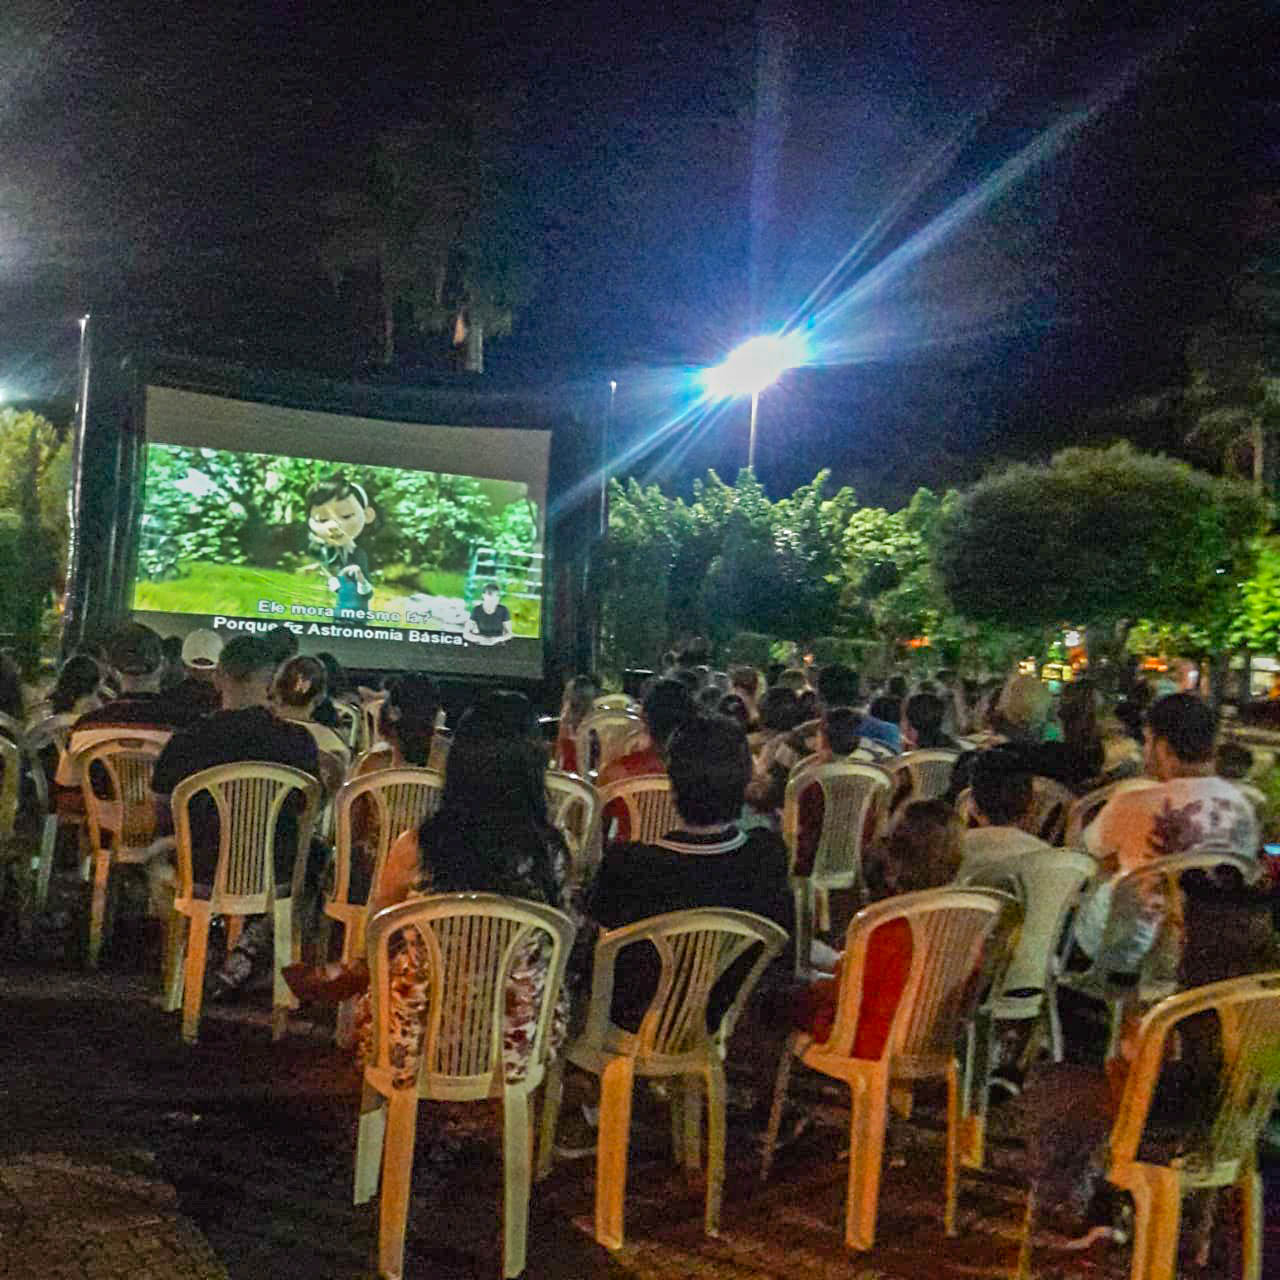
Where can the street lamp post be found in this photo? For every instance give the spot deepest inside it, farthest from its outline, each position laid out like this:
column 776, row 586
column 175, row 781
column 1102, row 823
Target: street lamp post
column 747, row 370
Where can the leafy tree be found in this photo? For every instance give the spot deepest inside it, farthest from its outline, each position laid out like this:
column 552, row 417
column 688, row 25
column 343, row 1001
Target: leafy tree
column 1256, row 621
column 52, row 472
column 1097, row 536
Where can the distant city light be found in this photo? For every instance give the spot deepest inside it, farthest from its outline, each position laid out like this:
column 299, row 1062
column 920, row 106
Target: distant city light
column 758, row 363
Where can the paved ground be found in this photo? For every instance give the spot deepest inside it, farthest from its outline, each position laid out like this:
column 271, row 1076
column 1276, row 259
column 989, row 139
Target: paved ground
column 125, row 1154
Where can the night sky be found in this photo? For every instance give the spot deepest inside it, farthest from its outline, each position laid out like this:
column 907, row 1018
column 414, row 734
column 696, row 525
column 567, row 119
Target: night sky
column 1039, row 198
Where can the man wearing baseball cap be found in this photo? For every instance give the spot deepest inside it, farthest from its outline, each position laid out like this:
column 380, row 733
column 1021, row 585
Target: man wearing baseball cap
column 196, row 690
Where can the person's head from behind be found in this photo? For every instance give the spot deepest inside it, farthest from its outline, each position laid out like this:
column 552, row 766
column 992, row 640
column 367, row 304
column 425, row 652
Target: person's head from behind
column 745, row 681
column 1233, row 761
column 667, row 706
column 887, row 708
column 408, row 716
column 688, row 677
column 79, row 678
column 580, row 693
column 709, row 763
column 136, row 656
column 300, row 683
column 897, row 686
column 925, row 712
column 839, row 685
column 695, row 652
column 1078, row 713
column 925, row 847
column 794, row 678
column 200, row 653
column 335, row 676
column 1023, row 707
column 708, row 700
column 282, row 643
column 779, row 709
column 841, row 730
column 496, row 762
column 246, row 669
column 1179, row 738
column 1002, row 788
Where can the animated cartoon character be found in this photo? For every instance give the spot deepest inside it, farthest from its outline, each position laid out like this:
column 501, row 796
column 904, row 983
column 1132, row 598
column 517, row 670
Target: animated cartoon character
column 490, row 622
column 338, row 513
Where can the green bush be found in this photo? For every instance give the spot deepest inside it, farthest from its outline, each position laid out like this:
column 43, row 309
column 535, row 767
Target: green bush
column 748, row 649
column 829, row 649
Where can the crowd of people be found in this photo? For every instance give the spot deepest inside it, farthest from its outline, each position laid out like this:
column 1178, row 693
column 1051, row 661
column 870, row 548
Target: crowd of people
column 729, row 742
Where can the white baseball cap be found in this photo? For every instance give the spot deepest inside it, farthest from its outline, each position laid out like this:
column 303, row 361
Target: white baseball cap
column 202, row 648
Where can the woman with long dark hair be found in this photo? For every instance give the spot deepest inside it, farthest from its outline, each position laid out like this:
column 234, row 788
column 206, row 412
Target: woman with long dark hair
column 406, row 723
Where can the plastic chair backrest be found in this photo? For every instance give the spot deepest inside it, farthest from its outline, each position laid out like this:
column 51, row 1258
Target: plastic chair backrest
column 438, row 756
column 949, row 928
column 472, row 942
column 1048, row 885
column 1050, row 805
column 695, row 949
column 929, row 769
column 51, row 731
column 613, row 702
column 399, row 800
column 1161, row 876
column 370, row 712
column 248, row 796
column 1248, row 1012
column 349, row 723
column 848, row 793
column 1088, row 806
column 650, row 803
column 128, row 811
column 603, row 736
column 573, row 808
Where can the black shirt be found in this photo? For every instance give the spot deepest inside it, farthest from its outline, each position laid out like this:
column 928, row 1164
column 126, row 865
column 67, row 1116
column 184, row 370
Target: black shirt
column 224, row 738
column 732, row 869
column 490, row 624
column 140, row 710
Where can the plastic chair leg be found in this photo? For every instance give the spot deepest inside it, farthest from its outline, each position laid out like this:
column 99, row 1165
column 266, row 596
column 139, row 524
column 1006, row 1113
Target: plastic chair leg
column 952, row 1150
column 370, row 1134
column 802, row 891
column 397, row 1169
column 282, row 999
column 44, row 862
column 775, row 1111
column 715, row 1145
column 552, row 1092
column 175, row 953
column 686, row 1123
column 193, row 978
column 1023, row 1271
column 979, row 1048
column 824, row 910
column 235, row 927
column 611, row 1153
column 98, row 903
column 516, row 1133
column 1157, row 1206
column 868, row 1118
column 1250, row 1187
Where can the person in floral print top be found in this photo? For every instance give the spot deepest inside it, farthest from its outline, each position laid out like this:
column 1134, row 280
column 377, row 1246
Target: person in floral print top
column 1190, row 807
column 490, row 835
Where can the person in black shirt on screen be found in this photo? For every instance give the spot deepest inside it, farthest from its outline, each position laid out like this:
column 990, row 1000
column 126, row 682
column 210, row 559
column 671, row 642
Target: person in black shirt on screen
column 245, row 729
column 490, row 622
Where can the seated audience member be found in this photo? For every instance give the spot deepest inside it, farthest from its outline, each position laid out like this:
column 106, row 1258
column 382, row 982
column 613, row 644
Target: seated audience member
column 734, row 706
column 666, row 707
column 491, row 835
column 580, row 694
column 298, row 688
column 886, row 709
column 840, row 741
column 1083, row 756
column 922, row 852
column 925, row 714
column 1002, row 799
column 406, row 725
column 335, row 681
column 708, row 699
column 76, row 690
column 245, row 729
column 687, row 677
column 1138, row 826
column 841, row 686
column 172, row 674
column 746, row 683
column 1235, row 763
column 706, row 862
column 200, row 653
column 794, row 678
column 282, row 643
column 779, row 717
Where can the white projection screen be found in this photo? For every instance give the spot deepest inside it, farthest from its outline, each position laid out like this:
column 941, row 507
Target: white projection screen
column 391, row 545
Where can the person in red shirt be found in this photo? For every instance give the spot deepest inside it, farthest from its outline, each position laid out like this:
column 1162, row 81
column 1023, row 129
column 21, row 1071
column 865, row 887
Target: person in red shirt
column 923, row 852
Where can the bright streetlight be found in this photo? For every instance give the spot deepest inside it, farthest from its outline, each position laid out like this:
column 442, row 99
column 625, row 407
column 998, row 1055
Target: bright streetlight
column 758, row 363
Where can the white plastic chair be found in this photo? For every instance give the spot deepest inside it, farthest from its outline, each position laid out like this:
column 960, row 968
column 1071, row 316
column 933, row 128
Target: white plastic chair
column 854, row 797
column 573, row 808
column 603, row 736
column 928, row 771
column 472, row 941
column 949, row 930
column 1084, row 810
column 370, row 713
column 696, row 949
column 51, row 731
column 122, row 823
column 397, row 800
column 1162, row 878
column 438, row 756
column 649, row 802
column 249, row 797
column 1048, row 886
column 350, row 723
column 1224, row 1149
column 1050, row 805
